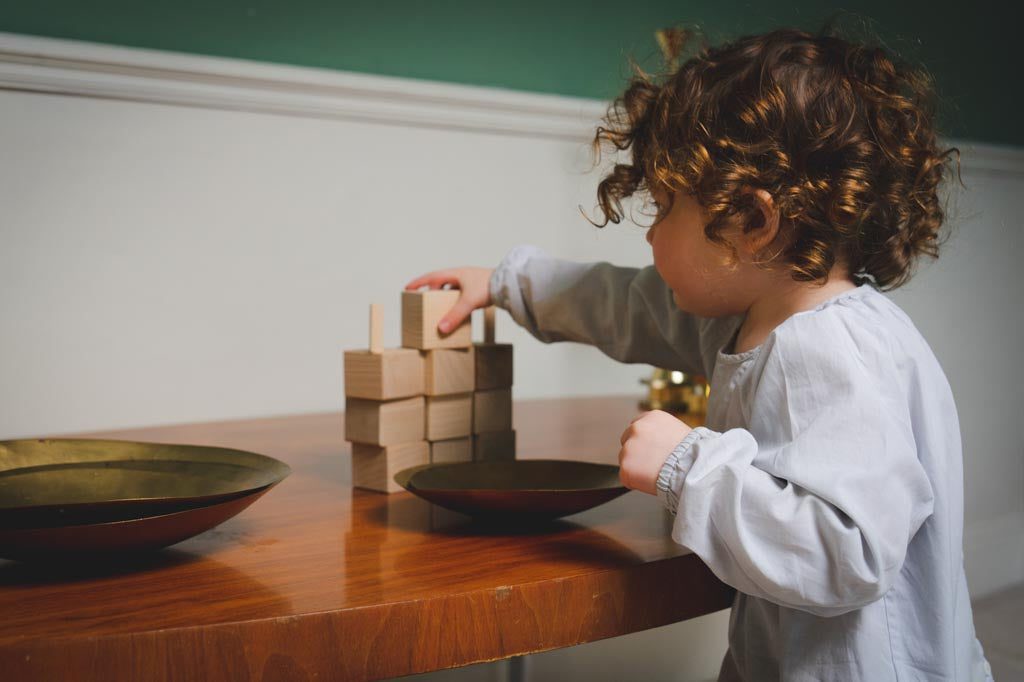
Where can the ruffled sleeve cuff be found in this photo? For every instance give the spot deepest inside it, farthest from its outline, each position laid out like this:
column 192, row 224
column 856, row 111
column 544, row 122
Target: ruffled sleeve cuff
column 673, row 471
column 504, row 282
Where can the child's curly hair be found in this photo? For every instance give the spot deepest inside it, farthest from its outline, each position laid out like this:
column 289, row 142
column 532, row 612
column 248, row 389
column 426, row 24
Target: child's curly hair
column 840, row 134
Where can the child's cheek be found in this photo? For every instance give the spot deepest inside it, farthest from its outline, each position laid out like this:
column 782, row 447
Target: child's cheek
column 664, row 259
column 673, row 268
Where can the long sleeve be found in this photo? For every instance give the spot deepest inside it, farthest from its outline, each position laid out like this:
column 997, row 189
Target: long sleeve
column 817, row 511
column 627, row 313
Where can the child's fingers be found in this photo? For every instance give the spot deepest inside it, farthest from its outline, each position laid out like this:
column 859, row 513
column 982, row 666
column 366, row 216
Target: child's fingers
column 454, row 317
column 639, row 417
column 627, row 434
column 435, row 280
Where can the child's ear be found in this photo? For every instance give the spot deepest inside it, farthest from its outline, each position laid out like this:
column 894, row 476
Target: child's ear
column 764, row 227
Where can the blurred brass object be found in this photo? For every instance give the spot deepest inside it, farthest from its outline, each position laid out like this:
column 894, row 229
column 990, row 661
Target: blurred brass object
column 681, row 394
column 514, row 490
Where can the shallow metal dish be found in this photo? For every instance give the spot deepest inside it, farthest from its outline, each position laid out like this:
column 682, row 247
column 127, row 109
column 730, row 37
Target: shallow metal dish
column 67, row 482
column 103, row 541
column 522, row 489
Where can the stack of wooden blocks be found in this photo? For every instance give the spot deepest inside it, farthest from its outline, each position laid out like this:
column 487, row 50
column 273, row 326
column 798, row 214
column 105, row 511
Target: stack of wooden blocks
column 436, row 399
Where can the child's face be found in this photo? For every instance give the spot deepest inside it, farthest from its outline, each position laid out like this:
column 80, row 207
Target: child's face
column 699, row 273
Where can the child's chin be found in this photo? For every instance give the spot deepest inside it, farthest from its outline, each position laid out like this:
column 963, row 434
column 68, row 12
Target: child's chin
column 675, row 300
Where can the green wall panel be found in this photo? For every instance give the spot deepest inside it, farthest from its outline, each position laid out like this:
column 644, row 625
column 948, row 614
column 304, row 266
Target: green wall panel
column 570, row 47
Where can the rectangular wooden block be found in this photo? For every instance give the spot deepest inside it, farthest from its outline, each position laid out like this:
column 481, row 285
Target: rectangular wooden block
column 449, row 416
column 448, row 370
column 452, row 450
column 492, row 410
column 494, row 445
column 374, row 467
column 384, row 422
column 493, row 365
column 422, row 310
column 393, row 373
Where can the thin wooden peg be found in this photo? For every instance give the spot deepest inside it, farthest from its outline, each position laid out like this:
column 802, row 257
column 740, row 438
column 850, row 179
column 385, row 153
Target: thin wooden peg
column 489, row 324
column 376, row 329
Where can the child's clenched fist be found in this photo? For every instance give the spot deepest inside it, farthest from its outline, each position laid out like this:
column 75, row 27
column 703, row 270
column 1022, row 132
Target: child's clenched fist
column 646, row 444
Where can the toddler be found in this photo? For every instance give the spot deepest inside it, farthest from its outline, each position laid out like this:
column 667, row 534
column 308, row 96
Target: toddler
column 794, row 178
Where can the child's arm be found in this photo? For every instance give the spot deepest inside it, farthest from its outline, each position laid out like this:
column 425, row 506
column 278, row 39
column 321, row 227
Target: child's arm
column 818, row 512
column 627, row 313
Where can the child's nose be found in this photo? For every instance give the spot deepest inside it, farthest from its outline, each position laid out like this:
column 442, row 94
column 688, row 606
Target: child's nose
column 650, row 235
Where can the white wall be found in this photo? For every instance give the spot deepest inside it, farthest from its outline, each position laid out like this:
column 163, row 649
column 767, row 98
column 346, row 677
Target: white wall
column 166, row 263
column 968, row 304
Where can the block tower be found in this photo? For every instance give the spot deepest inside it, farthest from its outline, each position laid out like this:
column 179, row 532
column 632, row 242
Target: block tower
column 493, row 437
column 436, row 399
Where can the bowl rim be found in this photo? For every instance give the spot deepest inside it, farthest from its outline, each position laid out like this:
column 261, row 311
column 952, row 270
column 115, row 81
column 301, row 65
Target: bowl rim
column 405, row 477
column 275, row 469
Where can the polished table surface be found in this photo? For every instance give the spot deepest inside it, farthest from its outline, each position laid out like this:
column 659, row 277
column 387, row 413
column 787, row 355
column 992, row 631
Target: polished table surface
column 317, row 580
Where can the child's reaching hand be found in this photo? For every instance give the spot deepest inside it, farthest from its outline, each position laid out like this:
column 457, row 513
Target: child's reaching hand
column 474, row 284
column 646, row 443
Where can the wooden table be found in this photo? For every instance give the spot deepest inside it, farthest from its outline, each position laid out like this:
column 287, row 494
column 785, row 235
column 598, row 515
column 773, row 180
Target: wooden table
column 317, row 580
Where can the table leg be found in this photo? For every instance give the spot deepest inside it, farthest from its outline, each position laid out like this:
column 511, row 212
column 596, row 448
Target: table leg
column 514, row 669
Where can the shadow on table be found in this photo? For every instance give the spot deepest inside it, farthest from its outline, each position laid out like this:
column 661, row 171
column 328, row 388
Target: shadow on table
column 87, row 568
column 550, row 540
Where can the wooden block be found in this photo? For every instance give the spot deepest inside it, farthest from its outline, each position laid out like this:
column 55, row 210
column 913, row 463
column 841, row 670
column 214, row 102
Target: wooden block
column 449, row 416
column 392, row 373
column 374, row 467
column 452, row 450
column 422, row 310
column 493, row 365
column 449, row 370
column 384, row 423
column 489, row 324
column 492, row 410
column 494, row 445
column 377, row 328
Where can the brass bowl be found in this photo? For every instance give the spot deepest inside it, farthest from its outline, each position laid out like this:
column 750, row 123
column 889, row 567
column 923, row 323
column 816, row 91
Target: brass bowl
column 514, row 490
column 103, row 541
column 73, row 483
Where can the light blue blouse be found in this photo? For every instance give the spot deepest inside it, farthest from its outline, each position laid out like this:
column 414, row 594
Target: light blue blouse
column 826, row 485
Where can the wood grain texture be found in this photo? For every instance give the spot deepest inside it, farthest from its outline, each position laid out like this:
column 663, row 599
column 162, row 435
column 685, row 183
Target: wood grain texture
column 318, row 580
column 384, row 423
column 489, row 316
column 449, row 370
column 494, row 445
column 422, row 310
column 376, row 328
column 392, row 373
column 374, row 467
column 449, row 416
column 452, row 450
column 493, row 365
column 492, row 410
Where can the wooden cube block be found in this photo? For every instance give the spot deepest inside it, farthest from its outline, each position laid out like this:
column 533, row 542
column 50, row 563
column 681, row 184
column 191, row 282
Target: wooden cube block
column 449, row 416
column 374, row 467
column 493, row 365
column 448, row 370
column 393, row 373
column 452, row 450
column 422, row 310
column 494, row 445
column 384, row 422
column 492, row 410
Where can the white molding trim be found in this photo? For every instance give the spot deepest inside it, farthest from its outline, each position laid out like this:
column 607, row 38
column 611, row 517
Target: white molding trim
column 69, row 67
column 66, row 67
